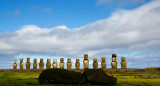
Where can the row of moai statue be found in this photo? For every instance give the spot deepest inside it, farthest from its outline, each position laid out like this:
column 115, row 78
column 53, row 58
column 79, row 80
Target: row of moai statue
column 69, row 63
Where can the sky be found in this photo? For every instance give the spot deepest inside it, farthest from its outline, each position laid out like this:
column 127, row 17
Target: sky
column 71, row 28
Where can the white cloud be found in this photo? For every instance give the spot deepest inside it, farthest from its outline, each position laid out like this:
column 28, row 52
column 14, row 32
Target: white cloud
column 124, row 33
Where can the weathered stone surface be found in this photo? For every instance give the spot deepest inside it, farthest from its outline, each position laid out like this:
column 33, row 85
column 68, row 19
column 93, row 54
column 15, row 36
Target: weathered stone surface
column 55, row 63
column 15, row 64
column 103, row 63
column 99, row 77
column 48, row 64
column 61, row 76
column 61, row 64
column 28, row 64
column 95, row 63
column 41, row 64
column 21, row 63
column 35, row 64
column 77, row 64
column 123, row 63
column 69, row 63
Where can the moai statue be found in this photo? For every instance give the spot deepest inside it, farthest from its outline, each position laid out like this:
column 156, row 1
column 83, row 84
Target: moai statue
column 103, row 63
column 114, row 61
column 61, row 64
column 55, row 63
column 28, row 64
column 77, row 64
column 35, row 64
column 69, row 64
column 15, row 65
column 123, row 63
column 41, row 64
column 95, row 63
column 86, row 61
column 48, row 64
column 21, row 63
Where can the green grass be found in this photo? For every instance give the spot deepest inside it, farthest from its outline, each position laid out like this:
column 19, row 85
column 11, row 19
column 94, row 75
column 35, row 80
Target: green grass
column 30, row 79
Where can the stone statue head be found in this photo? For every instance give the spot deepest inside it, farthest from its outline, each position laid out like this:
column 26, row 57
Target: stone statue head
column 123, row 59
column 69, row 60
column 77, row 60
column 54, row 60
column 85, row 56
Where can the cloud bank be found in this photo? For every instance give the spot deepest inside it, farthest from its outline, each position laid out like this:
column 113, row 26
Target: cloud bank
column 130, row 33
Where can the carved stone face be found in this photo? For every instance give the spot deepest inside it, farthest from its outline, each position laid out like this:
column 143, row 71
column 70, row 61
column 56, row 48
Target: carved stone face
column 15, row 62
column 41, row 60
column 77, row 60
column 48, row 60
column 103, row 59
column 62, row 60
column 85, row 56
column 54, row 60
column 28, row 59
column 21, row 60
column 35, row 60
column 95, row 60
column 69, row 60
column 114, row 59
column 123, row 59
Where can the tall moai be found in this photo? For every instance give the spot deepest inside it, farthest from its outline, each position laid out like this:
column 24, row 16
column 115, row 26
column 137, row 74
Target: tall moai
column 123, row 63
column 77, row 64
column 28, row 64
column 48, row 64
column 61, row 64
column 55, row 63
column 114, row 61
column 103, row 63
column 86, row 61
column 41, row 64
column 69, row 63
column 15, row 64
column 95, row 63
column 21, row 63
column 35, row 64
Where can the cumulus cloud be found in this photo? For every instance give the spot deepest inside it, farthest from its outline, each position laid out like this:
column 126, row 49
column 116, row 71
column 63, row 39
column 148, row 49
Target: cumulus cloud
column 130, row 33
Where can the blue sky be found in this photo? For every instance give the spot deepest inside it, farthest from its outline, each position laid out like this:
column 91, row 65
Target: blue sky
column 50, row 13
column 71, row 28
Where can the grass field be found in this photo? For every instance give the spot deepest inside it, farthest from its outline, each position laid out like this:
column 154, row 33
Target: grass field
column 31, row 79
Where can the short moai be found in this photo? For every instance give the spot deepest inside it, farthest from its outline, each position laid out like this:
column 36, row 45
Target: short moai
column 123, row 63
column 86, row 61
column 35, row 64
column 77, row 64
column 28, row 64
column 21, row 63
column 69, row 63
column 95, row 63
column 15, row 64
column 55, row 63
column 61, row 64
column 48, row 64
column 103, row 63
column 41, row 64
column 114, row 61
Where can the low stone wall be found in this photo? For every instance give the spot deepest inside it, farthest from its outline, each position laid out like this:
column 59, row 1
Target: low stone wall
column 110, row 71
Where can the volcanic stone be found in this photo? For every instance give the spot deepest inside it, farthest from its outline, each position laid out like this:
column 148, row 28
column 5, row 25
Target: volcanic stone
column 99, row 77
column 61, row 76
